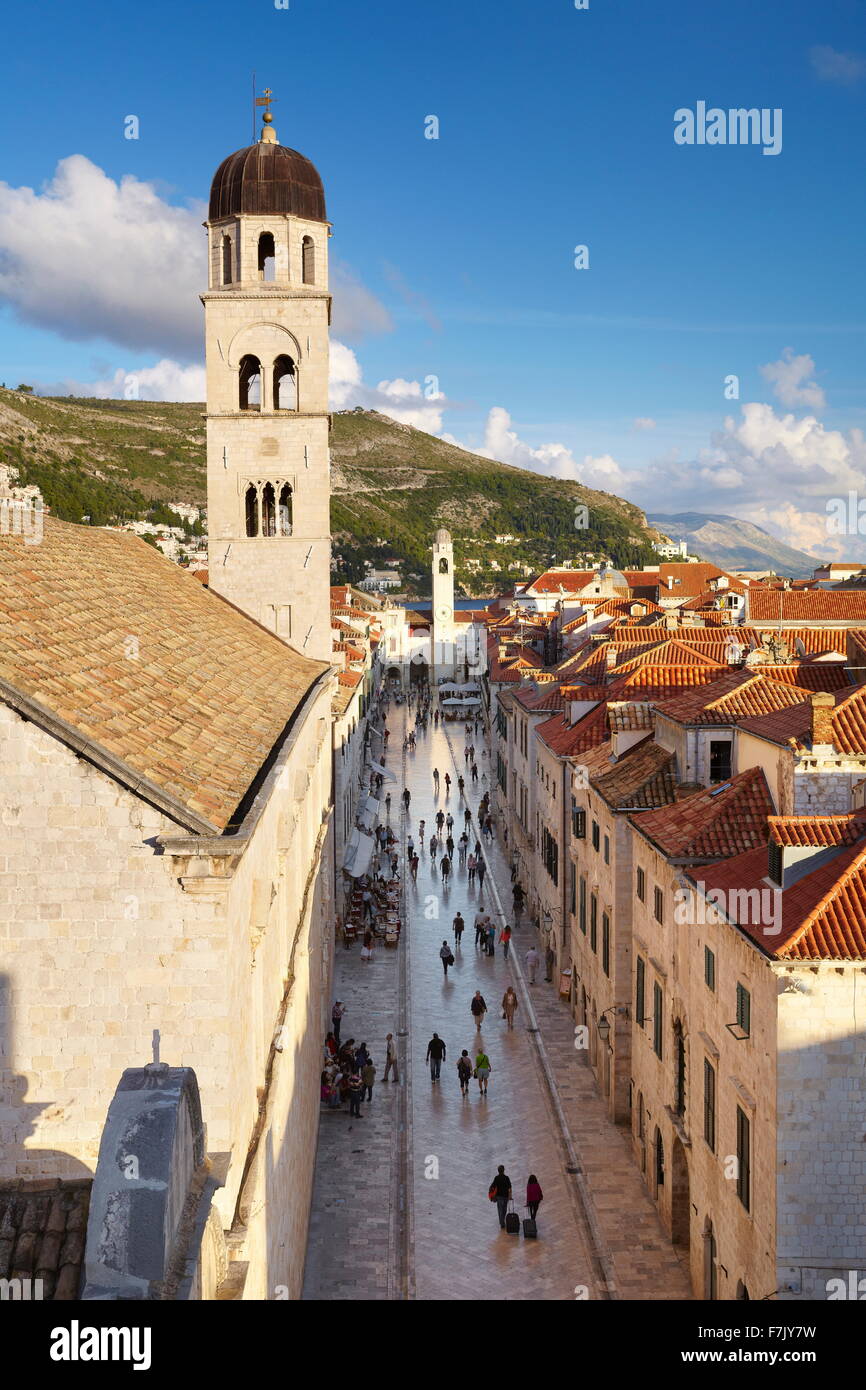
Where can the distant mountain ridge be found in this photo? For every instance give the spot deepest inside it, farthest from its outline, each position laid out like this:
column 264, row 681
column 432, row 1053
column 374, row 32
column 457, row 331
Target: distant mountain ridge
column 734, row 544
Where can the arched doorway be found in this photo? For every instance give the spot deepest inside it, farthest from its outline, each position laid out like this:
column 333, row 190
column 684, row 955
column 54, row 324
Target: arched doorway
column 679, row 1195
column 419, row 671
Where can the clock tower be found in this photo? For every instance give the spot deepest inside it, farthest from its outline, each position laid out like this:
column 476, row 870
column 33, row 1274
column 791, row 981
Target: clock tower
column 443, row 654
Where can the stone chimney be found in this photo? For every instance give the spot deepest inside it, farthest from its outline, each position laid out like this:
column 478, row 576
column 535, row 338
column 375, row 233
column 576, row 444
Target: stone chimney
column 823, row 707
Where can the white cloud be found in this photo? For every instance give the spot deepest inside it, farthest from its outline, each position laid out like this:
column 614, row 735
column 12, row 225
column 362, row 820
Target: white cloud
column 408, row 402
column 88, row 257
column 789, row 379
column 832, row 66
column 164, row 381
column 643, row 422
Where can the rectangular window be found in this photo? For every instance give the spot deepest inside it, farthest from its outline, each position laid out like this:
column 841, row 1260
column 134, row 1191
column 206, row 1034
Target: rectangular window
column 744, row 1159
column 744, row 1009
column 596, row 834
column 710, row 1104
column 581, row 906
column 640, row 887
column 605, row 943
column 607, row 849
column 709, row 969
column 659, row 905
column 578, row 821
column 593, row 921
column 720, row 760
column 657, row 1020
column 640, row 992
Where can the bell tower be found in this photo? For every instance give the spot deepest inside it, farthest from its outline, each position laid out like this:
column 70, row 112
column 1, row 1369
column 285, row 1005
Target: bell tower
column 267, row 315
column 443, row 654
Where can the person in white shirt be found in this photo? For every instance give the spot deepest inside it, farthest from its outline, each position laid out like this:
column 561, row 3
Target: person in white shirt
column 532, row 960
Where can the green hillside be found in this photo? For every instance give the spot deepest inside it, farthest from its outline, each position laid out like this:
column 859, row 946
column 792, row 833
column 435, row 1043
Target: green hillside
column 392, row 487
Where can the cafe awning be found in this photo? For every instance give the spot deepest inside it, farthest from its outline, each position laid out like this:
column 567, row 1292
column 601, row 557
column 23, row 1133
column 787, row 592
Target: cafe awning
column 359, row 852
column 383, row 771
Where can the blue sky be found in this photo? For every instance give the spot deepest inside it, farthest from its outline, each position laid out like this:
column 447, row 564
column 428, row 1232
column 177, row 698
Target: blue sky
column 556, row 129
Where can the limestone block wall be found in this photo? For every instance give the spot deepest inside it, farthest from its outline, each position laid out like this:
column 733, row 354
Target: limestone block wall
column 696, row 1175
column 825, row 786
column 820, row 1155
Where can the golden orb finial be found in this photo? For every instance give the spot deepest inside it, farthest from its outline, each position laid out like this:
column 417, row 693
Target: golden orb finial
column 268, row 135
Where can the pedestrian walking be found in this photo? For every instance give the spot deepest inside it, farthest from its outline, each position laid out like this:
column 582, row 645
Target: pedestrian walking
column 505, row 938
column 510, row 1005
column 549, row 962
column 481, row 870
column 480, row 928
column 410, row 846
column 436, row 779
column 500, row 1193
column 459, row 926
column 449, row 822
column 435, row 1056
column 532, row 959
column 434, row 845
column 413, row 868
column 388, row 805
column 447, row 783
column 421, row 825
column 467, row 818
column 407, row 797
column 445, row 867
column 534, row 1196
column 491, row 939
column 446, row 957
column 478, row 1009
column 368, row 1076
column 336, row 1020
column 482, row 1071
column 460, row 785
column 466, row 752
column 464, row 1072
column 462, row 846
column 391, row 1057
column 440, row 820
column 449, row 845
column 474, row 772
column 356, row 1091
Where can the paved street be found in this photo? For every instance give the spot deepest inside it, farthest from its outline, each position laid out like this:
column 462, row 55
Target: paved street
column 599, row 1236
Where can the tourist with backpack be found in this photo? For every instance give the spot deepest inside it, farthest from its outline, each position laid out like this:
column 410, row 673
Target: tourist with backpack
column 464, row 1072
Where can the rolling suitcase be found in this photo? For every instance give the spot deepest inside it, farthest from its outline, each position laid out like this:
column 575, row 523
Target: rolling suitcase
column 512, row 1221
column 530, row 1228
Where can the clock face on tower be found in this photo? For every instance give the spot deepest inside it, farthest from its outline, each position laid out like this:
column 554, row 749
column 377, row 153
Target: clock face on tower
column 443, row 612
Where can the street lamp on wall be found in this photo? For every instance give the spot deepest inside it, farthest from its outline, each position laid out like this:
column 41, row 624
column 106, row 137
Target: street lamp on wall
column 603, row 1023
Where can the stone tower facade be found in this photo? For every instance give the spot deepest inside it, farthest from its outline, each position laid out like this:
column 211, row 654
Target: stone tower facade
column 267, row 315
column 443, row 654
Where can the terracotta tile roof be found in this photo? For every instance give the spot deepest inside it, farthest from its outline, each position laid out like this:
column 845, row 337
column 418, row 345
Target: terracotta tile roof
column 808, row 675
column 823, row 913
column 350, row 679
column 807, row 605
column 656, row 682
column 43, row 1227
column 642, row 777
column 694, row 579
column 206, row 693
column 627, row 715
column 551, row 581
column 534, row 699
column 813, row 831
column 567, row 740
column 794, row 726
column 203, row 576
column 713, row 824
column 735, row 695
column 621, row 607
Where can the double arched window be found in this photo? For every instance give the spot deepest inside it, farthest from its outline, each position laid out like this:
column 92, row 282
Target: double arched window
column 268, row 508
column 283, row 382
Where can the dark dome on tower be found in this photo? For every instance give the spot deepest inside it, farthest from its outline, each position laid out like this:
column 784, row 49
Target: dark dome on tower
column 267, row 178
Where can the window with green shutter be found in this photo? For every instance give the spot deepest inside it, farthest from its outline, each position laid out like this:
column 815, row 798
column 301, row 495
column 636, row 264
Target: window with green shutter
column 657, row 1020
column 605, row 943
column 709, row 969
column 640, row 992
column 744, row 1159
column 744, row 1009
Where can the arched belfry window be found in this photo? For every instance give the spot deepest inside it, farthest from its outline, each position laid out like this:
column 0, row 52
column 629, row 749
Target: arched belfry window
column 267, row 257
column 250, row 384
column 285, row 517
column 227, row 259
column 443, row 566
column 285, row 384
column 269, row 510
column 251, row 506
column 308, row 261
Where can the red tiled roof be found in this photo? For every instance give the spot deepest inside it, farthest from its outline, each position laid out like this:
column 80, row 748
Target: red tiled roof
column 794, row 726
column 694, row 579
column 811, row 831
column 642, row 777
column 713, row 824
column 551, row 581
column 807, row 605
column 735, row 695
column 823, row 913
column 808, row 675
column 350, row 678
column 567, row 740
